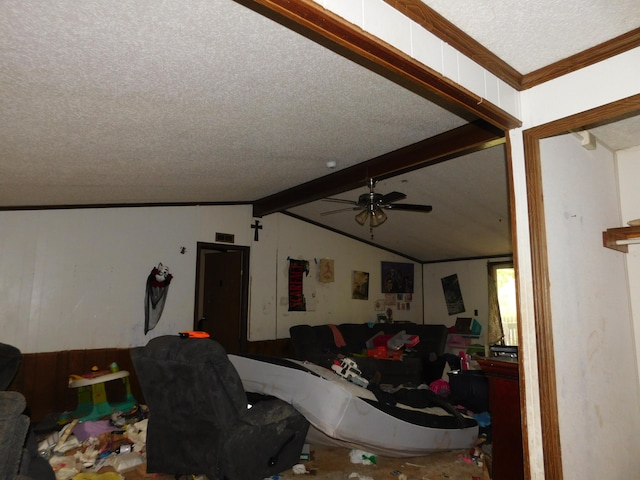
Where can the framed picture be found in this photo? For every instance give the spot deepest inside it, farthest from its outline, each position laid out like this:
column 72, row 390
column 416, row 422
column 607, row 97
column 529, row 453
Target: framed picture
column 452, row 294
column 397, row 277
column 360, row 286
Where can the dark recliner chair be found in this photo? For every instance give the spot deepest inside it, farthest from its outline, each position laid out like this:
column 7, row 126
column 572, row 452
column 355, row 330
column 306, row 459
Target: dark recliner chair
column 18, row 444
column 199, row 420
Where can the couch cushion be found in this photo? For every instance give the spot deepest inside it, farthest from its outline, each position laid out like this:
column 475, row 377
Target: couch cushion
column 356, row 335
column 315, row 344
column 433, row 338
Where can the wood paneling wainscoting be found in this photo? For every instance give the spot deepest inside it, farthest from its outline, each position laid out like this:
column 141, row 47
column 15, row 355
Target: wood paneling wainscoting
column 43, row 378
column 281, row 348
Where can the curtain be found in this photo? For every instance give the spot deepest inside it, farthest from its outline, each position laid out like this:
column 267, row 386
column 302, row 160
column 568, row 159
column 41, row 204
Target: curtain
column 495, row 333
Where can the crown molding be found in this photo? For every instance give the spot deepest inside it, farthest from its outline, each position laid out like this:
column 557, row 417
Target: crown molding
column 448, row 32
column 451, row 34
column 603, row 51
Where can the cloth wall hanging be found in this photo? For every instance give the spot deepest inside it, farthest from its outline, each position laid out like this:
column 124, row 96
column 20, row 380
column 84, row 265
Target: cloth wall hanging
column 155, row 295
column 298, row 269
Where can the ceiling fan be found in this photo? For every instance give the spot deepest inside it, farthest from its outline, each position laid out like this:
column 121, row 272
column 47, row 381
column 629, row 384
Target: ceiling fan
column 372, row 206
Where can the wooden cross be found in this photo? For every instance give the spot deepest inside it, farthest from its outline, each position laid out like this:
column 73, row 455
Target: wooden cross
column 257, row 227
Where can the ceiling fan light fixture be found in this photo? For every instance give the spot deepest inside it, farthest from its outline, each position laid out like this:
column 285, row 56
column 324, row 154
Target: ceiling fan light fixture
column 361, row 218
column 378, row 217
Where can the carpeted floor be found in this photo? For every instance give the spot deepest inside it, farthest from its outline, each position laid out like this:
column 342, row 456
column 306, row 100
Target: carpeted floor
column 334, row 463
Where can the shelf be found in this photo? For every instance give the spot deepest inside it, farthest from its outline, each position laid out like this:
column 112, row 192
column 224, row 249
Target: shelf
column 619, row 238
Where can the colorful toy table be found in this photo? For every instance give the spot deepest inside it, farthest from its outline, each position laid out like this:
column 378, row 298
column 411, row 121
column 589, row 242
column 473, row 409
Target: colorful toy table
column 92, row 396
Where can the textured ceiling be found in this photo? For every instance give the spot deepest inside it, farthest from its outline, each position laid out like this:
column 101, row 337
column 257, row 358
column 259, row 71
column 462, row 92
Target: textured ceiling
column 143, row 102
column 529, row 35
column 470, row 216
column 152, row 102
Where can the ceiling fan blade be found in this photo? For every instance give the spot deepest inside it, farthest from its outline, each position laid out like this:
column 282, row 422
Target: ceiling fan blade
column 349, row 209
column 339, row 200
column 392, row 197
column 408, row 207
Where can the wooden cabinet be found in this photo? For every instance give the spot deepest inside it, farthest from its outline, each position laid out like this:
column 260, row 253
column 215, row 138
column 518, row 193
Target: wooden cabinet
column 504, row 406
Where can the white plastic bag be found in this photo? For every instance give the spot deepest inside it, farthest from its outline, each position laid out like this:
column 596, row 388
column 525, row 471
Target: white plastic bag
column 360, row 456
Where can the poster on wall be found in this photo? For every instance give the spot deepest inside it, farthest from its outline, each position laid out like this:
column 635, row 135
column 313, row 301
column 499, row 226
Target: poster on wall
column 325, row 273
column 397, row 277
column 360, row 286
column 298, row 269
column 452, row 294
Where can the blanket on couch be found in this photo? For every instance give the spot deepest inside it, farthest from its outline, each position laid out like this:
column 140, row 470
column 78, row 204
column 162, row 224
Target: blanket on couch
column 420, row 364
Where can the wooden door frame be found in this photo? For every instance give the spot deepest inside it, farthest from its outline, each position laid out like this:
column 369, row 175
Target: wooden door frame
column 203, row 248
column 552, row 452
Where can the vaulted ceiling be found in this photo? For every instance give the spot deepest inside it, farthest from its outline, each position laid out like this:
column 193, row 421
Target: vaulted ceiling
column 279, row 104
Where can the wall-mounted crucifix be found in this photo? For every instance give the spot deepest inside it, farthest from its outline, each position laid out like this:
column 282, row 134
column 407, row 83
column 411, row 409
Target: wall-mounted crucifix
column 257, row 227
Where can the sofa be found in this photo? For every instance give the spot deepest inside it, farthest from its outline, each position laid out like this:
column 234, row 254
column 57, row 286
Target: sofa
column 422, row 363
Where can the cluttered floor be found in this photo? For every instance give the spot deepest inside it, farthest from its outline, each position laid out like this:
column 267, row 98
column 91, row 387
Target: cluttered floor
column 123, row 462
column 334, row 463
column 98, row 450
column 317, row 461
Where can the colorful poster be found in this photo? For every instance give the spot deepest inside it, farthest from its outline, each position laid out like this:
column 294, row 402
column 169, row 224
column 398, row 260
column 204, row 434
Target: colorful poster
column 360, row 286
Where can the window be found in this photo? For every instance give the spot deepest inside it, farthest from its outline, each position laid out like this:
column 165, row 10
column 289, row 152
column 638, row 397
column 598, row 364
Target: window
column 505, row 318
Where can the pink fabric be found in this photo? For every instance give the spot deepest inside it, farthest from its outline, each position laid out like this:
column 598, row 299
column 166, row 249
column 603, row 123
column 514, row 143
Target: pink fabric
column 440, row 387
column 85, row 430
column 337, row 336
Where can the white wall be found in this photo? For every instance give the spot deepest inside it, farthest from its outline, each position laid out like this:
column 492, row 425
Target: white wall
column 598, row 84
column 75, row 279
column 629, row 172
column 579, row 91
column 473, row 279
column 592, row 324
column 286, row 238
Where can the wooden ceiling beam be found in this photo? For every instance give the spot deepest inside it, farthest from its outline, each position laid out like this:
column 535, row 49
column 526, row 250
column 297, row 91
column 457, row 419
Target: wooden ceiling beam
column 328, row 29
column 448, row 32
column 454, row 143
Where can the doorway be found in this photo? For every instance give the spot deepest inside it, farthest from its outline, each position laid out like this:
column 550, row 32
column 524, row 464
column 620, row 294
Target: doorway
column 222, row 293
column 532, row 137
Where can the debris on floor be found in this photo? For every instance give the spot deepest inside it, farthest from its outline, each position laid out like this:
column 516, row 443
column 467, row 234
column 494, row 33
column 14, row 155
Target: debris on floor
column 113, row 450
column 79, row 451
column 360, row 456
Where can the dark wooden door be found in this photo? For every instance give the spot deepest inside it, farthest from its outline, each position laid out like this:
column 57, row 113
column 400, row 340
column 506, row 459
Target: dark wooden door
column 222, row 299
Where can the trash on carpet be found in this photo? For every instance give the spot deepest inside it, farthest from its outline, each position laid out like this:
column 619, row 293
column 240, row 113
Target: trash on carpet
column 361, row 477
column 81, row 449
column 360, row 456
column 299, row 469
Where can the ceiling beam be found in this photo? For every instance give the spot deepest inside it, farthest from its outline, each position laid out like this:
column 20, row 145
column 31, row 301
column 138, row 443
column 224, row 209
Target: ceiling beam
column 454, row 143
column 446, row 31
column 328, row 29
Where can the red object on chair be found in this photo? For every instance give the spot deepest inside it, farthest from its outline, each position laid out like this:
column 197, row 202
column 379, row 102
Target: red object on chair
column 194, row 334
